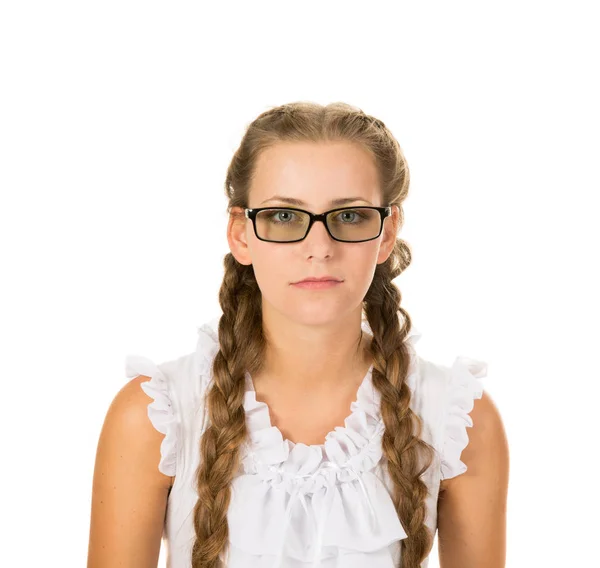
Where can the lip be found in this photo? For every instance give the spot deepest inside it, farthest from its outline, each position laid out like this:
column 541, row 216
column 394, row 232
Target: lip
column 321, row 279
column 317, row 284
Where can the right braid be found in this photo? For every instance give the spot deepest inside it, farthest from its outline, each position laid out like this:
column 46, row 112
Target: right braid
column 407, row 456
column 241, row 346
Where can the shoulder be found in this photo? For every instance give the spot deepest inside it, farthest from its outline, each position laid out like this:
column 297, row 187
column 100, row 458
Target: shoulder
column 166, row 396
column 128, row 432
column 486, row 452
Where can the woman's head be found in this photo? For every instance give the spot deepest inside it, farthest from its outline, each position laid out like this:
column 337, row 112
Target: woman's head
column 316, row 177
column 314, row 154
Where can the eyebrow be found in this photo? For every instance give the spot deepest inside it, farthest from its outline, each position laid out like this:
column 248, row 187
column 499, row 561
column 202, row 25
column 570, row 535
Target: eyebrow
column 294, row 201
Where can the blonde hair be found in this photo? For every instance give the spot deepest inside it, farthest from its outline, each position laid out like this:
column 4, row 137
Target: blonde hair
column 407, row 456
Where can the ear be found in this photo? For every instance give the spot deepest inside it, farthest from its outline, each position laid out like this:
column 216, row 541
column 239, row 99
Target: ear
column 237, row 236
column 390, row 231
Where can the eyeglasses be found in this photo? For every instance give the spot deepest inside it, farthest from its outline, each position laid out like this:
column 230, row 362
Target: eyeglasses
column 290, row 225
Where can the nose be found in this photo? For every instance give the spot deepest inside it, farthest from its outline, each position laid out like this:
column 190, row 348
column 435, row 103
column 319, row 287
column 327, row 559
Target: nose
column 317, row 243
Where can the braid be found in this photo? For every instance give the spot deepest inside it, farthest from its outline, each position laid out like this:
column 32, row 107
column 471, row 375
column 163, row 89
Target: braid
column 239, row 297
column 401, row 443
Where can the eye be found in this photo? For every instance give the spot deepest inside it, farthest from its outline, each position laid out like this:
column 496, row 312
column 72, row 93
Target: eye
column 281, row 216
column 286, row 214
column 354, row 215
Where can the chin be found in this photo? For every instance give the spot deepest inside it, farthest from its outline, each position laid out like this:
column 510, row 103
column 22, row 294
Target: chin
column 317, row 313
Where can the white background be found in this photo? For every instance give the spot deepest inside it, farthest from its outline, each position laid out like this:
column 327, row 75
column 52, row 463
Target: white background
column 117, row 123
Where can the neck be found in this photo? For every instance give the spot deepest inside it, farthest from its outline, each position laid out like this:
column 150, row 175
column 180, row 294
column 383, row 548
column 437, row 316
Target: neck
column 321, row 358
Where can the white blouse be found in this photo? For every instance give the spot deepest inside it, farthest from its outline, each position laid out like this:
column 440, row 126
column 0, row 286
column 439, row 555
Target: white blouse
column 296, row 505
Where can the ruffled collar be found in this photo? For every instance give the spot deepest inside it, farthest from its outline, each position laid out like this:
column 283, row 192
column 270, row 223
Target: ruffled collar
column 353, row 447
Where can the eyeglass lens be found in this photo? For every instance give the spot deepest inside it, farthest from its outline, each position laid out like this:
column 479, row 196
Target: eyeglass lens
column 356, row 224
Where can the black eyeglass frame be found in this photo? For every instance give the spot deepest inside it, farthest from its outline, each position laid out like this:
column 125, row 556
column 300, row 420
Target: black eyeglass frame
column 313, row 218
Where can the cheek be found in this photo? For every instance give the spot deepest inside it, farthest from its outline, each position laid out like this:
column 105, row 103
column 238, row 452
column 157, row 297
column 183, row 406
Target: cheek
column 272, row 269
column 362, row 274
column 360, row 267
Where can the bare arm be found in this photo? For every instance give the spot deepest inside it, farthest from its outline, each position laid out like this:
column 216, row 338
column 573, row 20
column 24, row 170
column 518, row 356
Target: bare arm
column 472, row 505
column 129, row 495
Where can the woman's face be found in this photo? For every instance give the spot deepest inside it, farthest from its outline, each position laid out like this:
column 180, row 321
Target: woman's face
column 316, row 175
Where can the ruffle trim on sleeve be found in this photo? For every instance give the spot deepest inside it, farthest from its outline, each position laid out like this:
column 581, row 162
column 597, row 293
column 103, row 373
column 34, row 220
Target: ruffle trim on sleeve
column 160, row 412
column 207, row 347
column 465, row 386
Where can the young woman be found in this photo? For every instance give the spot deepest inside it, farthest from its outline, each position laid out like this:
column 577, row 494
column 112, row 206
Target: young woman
column 305, row 430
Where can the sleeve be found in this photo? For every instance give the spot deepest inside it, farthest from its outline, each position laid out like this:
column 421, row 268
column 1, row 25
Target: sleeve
column 160, row 411
column 464, row 386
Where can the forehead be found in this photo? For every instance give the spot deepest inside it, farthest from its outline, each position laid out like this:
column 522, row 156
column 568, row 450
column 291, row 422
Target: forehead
column 315, row 173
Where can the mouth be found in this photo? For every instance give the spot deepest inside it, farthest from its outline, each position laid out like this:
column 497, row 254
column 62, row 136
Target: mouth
column 323, row 284
column 323, row 279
